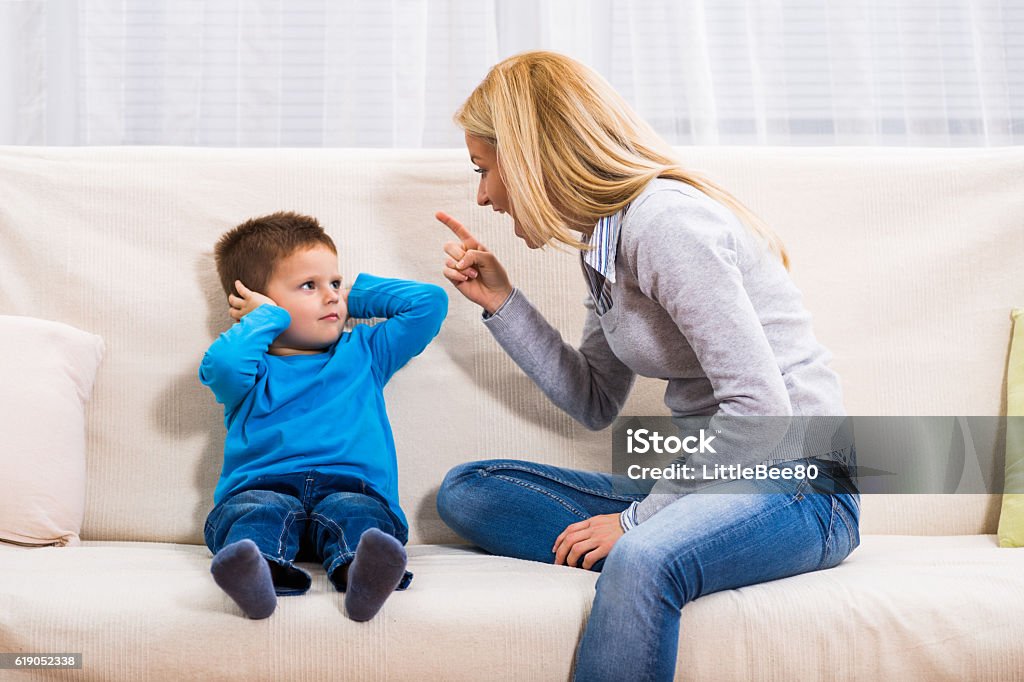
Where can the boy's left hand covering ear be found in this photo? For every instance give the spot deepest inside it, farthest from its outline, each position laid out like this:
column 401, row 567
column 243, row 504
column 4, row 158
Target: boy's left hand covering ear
column 246, row 302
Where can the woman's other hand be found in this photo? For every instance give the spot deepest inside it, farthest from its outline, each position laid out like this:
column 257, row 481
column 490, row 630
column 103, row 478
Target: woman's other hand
column 590, row 540
column 472, row 269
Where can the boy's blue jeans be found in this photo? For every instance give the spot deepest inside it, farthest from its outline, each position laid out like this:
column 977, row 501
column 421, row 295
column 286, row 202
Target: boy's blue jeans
column 308, row 516
column 750, row 532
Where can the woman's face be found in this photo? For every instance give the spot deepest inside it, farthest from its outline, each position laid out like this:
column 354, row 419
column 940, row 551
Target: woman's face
column 491, row 191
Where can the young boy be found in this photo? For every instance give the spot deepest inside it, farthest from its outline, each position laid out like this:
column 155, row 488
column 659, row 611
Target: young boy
column 310, row 471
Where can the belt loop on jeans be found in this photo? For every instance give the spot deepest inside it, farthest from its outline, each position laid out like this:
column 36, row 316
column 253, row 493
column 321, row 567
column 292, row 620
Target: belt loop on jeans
column 310, row 475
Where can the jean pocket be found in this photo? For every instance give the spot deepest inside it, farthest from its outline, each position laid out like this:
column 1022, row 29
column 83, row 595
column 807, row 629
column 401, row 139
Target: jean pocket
column 848, row 508
column 843, row 533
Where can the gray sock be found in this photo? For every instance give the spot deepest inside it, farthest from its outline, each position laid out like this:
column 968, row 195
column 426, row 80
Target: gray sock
column 375, row 572
column 241, row 571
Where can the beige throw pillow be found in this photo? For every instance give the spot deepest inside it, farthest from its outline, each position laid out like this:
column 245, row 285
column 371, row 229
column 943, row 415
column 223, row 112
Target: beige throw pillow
column 46, row 376
column 1011, row 518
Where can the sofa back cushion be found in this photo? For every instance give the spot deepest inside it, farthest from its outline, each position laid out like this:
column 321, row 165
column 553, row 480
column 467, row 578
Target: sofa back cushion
column 908, row 260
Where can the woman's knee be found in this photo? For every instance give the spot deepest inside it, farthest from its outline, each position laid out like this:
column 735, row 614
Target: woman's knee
column 638, row 553
column 456, row 488
column 643, row 565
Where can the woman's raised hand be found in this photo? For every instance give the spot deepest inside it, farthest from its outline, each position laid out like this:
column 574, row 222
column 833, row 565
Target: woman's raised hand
column 472, row 269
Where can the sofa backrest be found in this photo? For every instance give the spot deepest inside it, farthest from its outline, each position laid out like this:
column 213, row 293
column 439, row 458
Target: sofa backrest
column 908, row 259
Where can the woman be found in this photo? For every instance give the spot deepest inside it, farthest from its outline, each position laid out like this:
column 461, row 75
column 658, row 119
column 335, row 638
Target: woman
column 685, row 285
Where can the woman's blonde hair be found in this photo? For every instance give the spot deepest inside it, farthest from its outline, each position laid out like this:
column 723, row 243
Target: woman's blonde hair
column 571, row 150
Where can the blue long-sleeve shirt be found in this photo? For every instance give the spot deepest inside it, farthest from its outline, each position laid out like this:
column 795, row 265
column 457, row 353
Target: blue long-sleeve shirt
column 295, row 413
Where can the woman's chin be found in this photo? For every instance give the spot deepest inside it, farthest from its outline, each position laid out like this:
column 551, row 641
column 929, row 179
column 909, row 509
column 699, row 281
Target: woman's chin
column 526, row 240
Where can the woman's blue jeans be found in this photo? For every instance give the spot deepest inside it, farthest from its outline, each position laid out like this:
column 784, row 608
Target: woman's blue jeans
column 308, row 516
column 747, row 532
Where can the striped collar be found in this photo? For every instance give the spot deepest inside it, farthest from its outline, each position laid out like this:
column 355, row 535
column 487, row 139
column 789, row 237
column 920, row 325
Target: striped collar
column 605, row 240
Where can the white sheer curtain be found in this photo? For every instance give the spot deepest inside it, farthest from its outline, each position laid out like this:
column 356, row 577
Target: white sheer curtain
column 390, row 73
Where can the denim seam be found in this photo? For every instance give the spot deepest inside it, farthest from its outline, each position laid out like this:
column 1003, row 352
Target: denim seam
column 340, row 560
column 330, row 524
column 543, row 491
column 288, row 521
column 847, row 521
column 829, row 537
column 582, row 489
column 306, row 489
column 345, row 556
column 801, row 487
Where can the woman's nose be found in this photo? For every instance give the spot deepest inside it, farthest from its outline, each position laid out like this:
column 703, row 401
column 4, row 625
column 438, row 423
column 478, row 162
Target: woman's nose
column 481, row 195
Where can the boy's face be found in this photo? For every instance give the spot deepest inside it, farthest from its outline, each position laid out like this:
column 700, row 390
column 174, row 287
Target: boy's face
column 308, row 286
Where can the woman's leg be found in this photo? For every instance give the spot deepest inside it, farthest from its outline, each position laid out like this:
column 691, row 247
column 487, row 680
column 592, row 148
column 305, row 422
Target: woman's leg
column 703, row 543
column 517, row 509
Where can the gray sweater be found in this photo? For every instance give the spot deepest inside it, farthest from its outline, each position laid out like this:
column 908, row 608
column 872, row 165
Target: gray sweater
column 699, row 301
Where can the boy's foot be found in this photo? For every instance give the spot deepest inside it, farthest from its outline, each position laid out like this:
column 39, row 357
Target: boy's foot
column 375, row 572
column 241, row 571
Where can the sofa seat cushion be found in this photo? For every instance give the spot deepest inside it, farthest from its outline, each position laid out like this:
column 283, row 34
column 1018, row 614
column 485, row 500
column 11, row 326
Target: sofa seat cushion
column 901, row 607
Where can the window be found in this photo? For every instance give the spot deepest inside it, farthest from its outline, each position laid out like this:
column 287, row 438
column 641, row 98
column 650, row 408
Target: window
column 311, row 73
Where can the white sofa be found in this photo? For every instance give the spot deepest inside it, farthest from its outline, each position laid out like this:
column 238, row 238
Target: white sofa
column 909, row 260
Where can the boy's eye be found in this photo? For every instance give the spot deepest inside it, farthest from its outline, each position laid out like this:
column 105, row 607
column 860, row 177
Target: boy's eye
column 336, row 284
column 303, row 285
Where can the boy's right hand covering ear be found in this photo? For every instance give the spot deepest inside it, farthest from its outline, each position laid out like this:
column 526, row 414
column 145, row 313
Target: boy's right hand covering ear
column 246, row 302
column 472, row 269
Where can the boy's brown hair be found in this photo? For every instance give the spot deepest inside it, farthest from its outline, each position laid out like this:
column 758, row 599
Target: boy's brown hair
column 250, row 251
